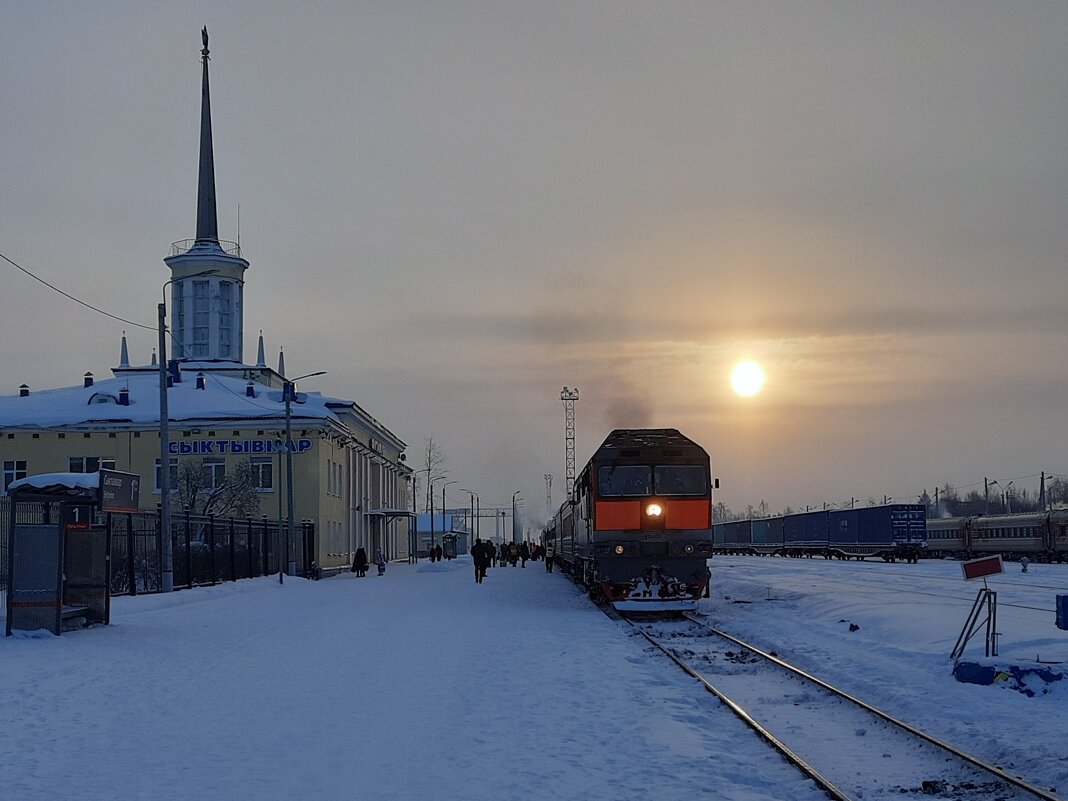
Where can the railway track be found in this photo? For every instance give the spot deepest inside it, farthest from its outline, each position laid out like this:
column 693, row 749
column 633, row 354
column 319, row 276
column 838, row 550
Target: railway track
column 849, row 748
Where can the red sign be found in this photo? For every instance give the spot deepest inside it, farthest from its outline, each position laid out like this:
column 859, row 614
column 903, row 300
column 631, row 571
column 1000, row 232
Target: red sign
column 980, row 568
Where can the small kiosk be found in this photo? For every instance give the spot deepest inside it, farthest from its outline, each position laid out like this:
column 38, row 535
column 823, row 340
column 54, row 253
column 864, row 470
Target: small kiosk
column 59, row 554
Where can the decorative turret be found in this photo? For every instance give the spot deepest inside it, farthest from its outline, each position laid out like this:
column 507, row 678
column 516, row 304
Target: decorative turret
column 124, row 354
column 207, row 273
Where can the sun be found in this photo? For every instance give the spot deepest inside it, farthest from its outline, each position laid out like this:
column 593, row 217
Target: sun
column 748, row 378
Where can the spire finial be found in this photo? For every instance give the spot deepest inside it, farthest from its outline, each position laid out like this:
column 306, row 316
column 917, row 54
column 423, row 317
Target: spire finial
column 207, row 219
column 259, row 352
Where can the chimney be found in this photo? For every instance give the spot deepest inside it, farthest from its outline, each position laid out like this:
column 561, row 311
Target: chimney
column 88, row 379
column 201, row 381
column 250, row 390
column 24, row 390
column 124, row 396
column 175, row 371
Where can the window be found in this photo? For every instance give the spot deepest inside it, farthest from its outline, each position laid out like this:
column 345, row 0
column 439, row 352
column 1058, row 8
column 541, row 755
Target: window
column 14, row 469
column 89, row 464
column 173, row 474
column 263, row 474
column 214, row 473
column 624, row 480
column 179, row 315
column 200, row 319
column 225, row 316
column 680, row 479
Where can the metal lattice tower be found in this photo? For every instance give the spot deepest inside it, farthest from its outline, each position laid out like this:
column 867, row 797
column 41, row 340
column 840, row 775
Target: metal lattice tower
column 549, row 494
column 569, row 396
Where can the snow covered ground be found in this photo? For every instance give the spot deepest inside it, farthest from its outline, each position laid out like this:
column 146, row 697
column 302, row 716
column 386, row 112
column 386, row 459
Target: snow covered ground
column 422, row 684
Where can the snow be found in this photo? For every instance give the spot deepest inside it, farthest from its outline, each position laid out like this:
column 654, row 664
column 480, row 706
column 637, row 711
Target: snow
column 222, row 397
column 423, row 684
column 68, row 480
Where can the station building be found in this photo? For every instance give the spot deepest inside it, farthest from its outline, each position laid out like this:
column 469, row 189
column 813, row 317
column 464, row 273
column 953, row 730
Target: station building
column 349, row 471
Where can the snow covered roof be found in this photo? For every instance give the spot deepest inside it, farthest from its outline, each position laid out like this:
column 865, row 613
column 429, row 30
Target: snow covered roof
column 57, row 483
column 100, row 406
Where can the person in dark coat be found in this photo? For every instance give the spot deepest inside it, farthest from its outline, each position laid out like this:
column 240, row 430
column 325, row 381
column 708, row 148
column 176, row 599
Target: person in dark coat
column 359, row 564
column 491, row 551
column 524, row 552
column 481, row 557
column 513, row 554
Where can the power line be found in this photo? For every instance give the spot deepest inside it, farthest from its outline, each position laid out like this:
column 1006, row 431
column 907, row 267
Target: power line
column 76, row 300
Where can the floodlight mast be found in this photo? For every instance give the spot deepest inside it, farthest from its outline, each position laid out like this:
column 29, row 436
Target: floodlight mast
column 569, row 396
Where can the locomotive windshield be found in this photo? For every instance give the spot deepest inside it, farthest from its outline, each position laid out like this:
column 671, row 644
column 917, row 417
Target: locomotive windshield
column 680, row 479
column 640, row 480
column 621, row 480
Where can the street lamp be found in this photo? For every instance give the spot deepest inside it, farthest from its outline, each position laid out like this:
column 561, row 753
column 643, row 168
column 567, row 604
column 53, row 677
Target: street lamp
column 513, row 513
column 288, row 392
column 992, row 484
column 1008, row 498
column 443, row 486
column 167, row 556
column 474, row 517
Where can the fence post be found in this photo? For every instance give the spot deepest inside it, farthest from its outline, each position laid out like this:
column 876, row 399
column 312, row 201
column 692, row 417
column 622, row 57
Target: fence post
column 211, row 545
column 188, row 549
column 248, row 542
column 130, row 570
column 233, row 553
column 263, row 547
column 159, row 546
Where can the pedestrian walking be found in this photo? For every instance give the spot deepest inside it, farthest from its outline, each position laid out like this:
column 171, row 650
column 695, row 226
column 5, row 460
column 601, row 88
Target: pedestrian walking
column 549, row 551
column 481, row 556
column 524, row 552
column 359, row 564
column 513, row 554
column 491, row 551
column 380, row 560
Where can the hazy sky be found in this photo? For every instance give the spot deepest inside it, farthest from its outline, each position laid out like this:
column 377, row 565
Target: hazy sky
column 458, row 208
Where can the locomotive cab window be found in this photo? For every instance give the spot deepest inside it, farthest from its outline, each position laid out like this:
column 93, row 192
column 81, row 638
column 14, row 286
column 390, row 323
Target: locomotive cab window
column 680, row 479
column 624, row 480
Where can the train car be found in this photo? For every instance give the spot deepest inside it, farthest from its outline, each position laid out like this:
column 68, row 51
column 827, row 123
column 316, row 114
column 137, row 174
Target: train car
column 805, row 534
column 638, row 527
column 896, row 531
column 767, row 535
column 738, row 537
column 1040, row 536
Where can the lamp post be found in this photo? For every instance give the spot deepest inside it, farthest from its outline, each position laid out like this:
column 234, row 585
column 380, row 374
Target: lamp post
column 167, row 555
column 443, row 486
column 992, row 484
column 472, row 534
column 513, row 513
column 1008, row 498
column 288, row 391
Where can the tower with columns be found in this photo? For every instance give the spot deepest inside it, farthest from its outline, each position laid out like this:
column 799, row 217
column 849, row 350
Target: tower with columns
column 207, row 274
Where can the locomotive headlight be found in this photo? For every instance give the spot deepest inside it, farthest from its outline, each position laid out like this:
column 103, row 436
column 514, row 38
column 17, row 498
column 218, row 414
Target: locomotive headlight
column 619, row 550
column 654, row 510
column 688, row 548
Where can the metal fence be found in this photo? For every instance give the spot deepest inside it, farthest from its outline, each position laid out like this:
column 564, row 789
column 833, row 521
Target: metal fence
column 206, row 549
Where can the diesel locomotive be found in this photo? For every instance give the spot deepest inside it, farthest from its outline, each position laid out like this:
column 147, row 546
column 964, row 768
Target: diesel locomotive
column 637, row 529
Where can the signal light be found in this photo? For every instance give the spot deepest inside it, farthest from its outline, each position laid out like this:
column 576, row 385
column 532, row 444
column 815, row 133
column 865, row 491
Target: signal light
column 619, row 550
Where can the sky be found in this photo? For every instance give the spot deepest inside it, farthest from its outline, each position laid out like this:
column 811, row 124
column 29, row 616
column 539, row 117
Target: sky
column 456, row 209
column 424, row 684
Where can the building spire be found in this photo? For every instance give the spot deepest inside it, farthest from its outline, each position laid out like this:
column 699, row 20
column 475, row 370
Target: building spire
column 207, row 219
column 124, row 353
column 260, row 362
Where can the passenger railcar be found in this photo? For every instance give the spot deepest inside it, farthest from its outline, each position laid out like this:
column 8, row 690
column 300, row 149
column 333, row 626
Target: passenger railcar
column 1040, row 536
column 637, row 528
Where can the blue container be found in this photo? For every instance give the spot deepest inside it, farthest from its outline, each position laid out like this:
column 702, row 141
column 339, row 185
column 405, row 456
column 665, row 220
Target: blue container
column 1062, row 612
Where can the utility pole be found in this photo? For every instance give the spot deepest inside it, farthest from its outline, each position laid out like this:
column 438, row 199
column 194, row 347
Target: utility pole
column 549, row 494
column 569, row 396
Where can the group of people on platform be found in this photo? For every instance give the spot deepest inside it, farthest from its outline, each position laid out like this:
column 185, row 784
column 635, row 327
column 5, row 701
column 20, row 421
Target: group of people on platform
column 436, row 554
column 486, row 555
column 360, row 564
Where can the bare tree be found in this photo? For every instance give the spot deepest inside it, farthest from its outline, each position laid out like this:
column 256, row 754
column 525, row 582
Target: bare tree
column 433, row 466
column 202, row 491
